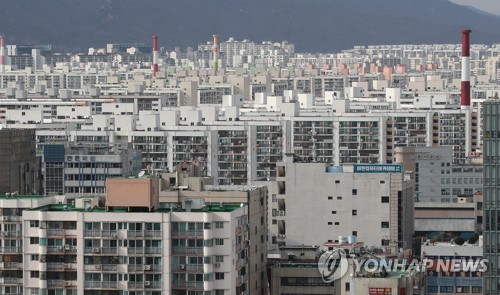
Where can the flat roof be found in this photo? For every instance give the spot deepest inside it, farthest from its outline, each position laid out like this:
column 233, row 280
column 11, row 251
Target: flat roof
column 356, row 244
column 71, row 208
column 13, row 197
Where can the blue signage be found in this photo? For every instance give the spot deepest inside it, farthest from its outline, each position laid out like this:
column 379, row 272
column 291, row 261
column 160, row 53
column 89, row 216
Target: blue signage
column 378, row 168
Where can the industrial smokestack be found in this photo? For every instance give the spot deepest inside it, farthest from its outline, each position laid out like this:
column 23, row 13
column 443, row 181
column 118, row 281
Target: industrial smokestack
column 155, row 55
column 216, row 54
column 465, row 91
column 2, row 54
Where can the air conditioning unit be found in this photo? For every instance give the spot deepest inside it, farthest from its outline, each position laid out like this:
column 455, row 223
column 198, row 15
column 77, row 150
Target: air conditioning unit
column 182, row 266
column 217, row 264
column 96, row 250
column 4, row 234
column 67, row 283
column 60, row 248
column 67, row 265
column 42, row 259
column 97, row 267
column 147, row 267
column 67, row 247
column 147, row 283
column 114, row 235
column 5, row 218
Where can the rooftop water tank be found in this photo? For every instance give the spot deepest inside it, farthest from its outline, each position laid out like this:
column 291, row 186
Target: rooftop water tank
column 352, row 239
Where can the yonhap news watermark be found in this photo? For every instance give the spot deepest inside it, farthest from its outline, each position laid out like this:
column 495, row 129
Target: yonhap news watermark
column 333, row 265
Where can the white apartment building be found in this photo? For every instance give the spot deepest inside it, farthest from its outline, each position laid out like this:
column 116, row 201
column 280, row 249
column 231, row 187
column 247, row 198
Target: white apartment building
column 98, row 252
column 11, row 238
column 214, row 245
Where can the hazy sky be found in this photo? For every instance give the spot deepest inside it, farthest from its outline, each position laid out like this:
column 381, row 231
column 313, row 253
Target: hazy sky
column 491, row 6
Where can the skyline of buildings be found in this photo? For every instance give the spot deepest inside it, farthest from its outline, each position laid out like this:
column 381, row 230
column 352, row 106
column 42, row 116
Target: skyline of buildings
column 376, row 143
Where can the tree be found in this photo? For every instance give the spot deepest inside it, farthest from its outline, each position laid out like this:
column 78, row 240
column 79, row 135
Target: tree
column 459, row 241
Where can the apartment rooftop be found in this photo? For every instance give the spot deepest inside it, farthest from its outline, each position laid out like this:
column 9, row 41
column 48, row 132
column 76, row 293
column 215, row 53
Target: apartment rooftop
column 72, row 208
column 12, row 197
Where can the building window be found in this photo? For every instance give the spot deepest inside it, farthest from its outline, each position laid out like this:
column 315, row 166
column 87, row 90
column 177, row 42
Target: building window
column 34, row 240
column 382, row 181
column 330, row 223
column 334, row 212
column 347, row 287
column 337, row 223
column 34, row 223
column 354, row 192
column 446, row 289
column 337, row 181
column 385, row 224
column 385, row 199
column 355, row 233
column 34, row 257
column 339, row 198
column 219, row 242
column 354, row 212
column 219, row 258
column 219, row 275
column 34, row 274
column 330, row 198
column 219, row 224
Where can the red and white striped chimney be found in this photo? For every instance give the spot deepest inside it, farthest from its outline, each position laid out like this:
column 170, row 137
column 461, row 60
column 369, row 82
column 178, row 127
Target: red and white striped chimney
column 2, row 54
column 155, row 55
column 465, row 90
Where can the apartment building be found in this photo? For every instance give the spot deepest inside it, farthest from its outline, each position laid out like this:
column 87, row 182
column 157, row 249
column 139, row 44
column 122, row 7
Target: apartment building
column 11, row 238
column 131, row 243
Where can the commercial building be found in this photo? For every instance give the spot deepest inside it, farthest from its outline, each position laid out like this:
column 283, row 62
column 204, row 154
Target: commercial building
column 83, row 170
column 295, row 270
column 459, row 281
column 438, row 178
column 18, row 164
column 440, row 220
column 372, row 202
column 491, row 232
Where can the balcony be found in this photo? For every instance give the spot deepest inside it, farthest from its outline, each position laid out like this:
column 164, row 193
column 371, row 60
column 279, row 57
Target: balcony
column 11, row 281
column 153, row 233
column 187, row 250
column 188, row 267
column 11, row 265
column 135, row 285
column 152, row 250
column 135, row 234
column 11, row 234
column 100, row 285
column 92, row 233
column 8, row 250
column 187, row 285
column 55, row 266
column 56, row 283
column 55, row 249
column 132, row 251
column 55, row 232
column 187, row 233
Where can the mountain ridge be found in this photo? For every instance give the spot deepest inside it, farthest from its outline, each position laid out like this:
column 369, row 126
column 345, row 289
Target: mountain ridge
column 312, row 25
